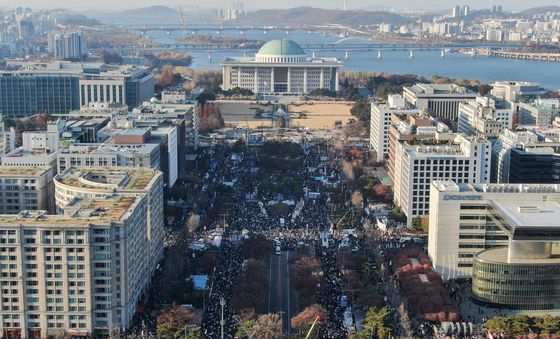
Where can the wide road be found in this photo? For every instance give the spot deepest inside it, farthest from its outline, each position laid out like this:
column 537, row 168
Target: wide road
column 281, row 296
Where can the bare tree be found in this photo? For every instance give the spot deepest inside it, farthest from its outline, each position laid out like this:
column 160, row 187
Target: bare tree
column 269, row 326
column 115, row 332
column 308, row 316
column 357, row 199
column 347, row 170
column 193, row 222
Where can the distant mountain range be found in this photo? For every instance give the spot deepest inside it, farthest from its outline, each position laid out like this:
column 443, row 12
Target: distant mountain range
column 157, row 10
column 539, row 10
column 319, row 16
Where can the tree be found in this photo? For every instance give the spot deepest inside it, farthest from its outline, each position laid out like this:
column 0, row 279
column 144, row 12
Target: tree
column 483, row 89
column 548, row 324
column 269, row 326
column 308, row 316
column 246, row 329
column 205, row 96
column 418, row 224
column 175, row 316
column 357, row 200
column 381, row 191
column 255, row 248
column 193, row 222
column 378, row 322
column 166, row 76
column 361, row 110
column 112, row 58
column 499, row 325
column 398, row 215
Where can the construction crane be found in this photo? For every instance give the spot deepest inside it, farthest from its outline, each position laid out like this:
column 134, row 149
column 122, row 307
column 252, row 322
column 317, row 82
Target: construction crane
column 183, row 21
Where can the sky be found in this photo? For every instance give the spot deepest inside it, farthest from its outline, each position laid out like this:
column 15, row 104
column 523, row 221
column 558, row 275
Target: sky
column 106, row 5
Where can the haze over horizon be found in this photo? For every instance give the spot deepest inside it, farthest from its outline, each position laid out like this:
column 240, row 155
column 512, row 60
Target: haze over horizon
column 107, row 5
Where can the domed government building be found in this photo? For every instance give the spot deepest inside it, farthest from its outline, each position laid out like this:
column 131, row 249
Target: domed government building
column 281, row 66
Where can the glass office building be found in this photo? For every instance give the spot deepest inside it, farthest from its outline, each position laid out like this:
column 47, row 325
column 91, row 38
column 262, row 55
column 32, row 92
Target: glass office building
column 530, row 285
column 25, row 94
column 61, row 87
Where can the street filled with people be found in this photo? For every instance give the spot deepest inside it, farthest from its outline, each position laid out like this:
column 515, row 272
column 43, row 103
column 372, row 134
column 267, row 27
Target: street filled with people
column 298, row 197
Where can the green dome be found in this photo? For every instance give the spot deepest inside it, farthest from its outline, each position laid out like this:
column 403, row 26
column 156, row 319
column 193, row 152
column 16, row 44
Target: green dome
column 281, row 47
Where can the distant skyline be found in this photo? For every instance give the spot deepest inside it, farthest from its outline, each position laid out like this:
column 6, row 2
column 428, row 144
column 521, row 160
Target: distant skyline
column 108, row 5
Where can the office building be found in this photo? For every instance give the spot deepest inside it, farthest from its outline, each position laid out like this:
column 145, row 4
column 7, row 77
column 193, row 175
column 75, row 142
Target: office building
column 485, row 116
column 109, row 155
column 442, row 100
column 26, row 92
column 173, row 97
column 516, row 91
column 413, row 128
column 540, row 112
column 281, row 66
column 68, row 45
column 61, row 87
column 380, row 123
column 504, row 236
column 417, row 164
column 84, row 270
column 7, row 137
column 527, row 157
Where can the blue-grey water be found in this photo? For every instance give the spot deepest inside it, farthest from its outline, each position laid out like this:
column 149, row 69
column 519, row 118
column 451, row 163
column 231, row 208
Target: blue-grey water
column 425, row 62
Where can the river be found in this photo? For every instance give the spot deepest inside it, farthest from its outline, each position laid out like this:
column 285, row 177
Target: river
column 425, row 62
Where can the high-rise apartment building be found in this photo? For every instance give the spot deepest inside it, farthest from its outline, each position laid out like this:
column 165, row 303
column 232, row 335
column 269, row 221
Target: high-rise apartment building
column 67, row 45
column 26, row 189
column 82, row 271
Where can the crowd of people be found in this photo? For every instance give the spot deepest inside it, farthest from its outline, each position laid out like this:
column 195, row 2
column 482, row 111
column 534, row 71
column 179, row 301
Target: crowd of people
column 218, row 313
column 332, row 294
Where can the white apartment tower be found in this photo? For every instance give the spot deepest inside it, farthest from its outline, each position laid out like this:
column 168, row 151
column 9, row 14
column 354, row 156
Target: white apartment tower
column 82, row 271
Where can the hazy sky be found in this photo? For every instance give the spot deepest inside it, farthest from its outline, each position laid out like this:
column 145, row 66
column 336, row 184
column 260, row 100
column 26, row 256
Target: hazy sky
column 252, row 4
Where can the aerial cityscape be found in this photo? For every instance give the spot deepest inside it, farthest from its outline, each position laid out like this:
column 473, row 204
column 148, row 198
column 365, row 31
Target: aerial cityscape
column 245, row 169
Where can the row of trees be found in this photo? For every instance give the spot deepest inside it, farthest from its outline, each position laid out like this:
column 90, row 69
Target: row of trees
column 177, row 322
column 348, row 92
column 523, row 326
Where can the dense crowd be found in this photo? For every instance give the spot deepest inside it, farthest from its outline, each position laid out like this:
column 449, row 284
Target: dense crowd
column 218, row 307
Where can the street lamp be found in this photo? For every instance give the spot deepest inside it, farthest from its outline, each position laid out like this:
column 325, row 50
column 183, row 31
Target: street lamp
column 222, row 322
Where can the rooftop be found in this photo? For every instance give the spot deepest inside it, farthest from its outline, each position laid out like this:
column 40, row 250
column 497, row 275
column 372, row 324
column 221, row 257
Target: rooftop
column 108, row 179
column 500, row 255
column 440, row 89
column 450, row 186
column 14, row 171
column 78, row 213
column 530, row 212
column 110, row 148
